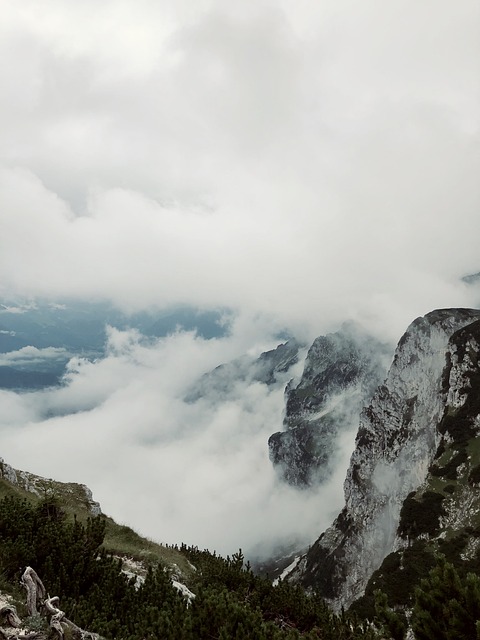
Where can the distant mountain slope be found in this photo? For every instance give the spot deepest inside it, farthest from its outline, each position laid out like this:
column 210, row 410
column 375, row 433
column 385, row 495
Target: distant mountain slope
column 269, row 368
column 77, row 499
column 38, row 337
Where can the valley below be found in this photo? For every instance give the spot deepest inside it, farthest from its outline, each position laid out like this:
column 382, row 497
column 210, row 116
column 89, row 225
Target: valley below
column 402, row 428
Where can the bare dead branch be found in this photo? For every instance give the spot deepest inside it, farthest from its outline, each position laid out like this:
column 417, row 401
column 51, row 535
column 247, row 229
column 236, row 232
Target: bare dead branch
column 37, row 599
column 35, row 590
column 58, row 618
column 57, row 615
column 8, row 613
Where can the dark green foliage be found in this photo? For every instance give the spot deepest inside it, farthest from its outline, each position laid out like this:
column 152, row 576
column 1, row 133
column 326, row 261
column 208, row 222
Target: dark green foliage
column 397, row 577
column 458, row 425
column 453, row 547
column 285, row 611
column 449, row 470
column 474, row 476
column 231, row 602
column 440, row 449
column 422, row 515
column 391, row 622
column 93, row 590
column 446, row 607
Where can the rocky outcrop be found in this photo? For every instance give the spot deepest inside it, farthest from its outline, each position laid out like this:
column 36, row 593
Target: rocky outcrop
column 341, row 372
column 269, row 368
column 71, row 492
column 397, row 441
column 454, row 476
column 472, row 278
column 443, row 514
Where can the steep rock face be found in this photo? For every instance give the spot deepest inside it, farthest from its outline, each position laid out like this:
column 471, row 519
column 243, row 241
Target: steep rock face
column 71, row 491
column 395, row 446
column 456, row 467
column 341, row 372
column 443, row 514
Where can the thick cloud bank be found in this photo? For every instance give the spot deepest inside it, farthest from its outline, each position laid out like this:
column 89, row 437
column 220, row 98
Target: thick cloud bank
column 177, row 470
column 308, row 161
column 297, row 163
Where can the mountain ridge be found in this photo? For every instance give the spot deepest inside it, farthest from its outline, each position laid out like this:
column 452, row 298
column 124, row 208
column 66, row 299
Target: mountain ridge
column 395, row 446
column 411, row 490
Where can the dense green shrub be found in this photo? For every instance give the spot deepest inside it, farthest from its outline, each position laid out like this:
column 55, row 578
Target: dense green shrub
column 421, row 515
column 231, row 602
column 446, row 607
column 397, row 577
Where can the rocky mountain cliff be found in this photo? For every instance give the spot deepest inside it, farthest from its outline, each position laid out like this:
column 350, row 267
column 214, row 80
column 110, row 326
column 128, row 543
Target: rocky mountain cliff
column 421, row 424
column 77, row 495
column 341, row 372
column 441, row 516
column 269, row 368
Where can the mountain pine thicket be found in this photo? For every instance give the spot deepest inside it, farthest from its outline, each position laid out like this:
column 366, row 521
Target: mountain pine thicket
column 231, row 602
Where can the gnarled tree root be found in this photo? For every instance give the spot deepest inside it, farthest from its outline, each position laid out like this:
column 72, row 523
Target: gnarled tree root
column 37, row 601
column 58, row 618
column 35, row 590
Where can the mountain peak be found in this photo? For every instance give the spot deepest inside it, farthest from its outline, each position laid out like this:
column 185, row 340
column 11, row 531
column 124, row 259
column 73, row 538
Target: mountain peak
column 396, row 443
column 341, row 371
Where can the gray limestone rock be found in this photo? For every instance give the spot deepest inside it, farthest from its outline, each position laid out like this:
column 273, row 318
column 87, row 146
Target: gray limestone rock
column 341, row 372
column 397, row 441
column 40, row 486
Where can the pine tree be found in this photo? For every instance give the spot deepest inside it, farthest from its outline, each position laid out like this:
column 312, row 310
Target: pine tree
column 446, row 608
column 392, row 623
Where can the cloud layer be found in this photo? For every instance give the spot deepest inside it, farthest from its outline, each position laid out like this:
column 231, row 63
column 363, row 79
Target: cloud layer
column 301, row 164
column 311, row 163
column 176, row 470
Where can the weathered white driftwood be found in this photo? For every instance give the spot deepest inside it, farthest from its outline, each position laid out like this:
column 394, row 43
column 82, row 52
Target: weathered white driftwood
column 8, row 614
column 37, row 598
column 58, row 618
column 35, row 590
column 10, row 624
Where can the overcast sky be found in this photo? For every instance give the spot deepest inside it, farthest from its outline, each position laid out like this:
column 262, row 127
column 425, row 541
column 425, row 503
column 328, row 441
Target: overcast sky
column 300, row 163
column 302, row 160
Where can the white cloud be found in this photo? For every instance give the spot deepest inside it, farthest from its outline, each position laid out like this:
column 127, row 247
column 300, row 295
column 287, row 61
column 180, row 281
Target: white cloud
column 5, row 308
column 307, row 162
column 178, row 471
column 299, row 163
column 31, row 355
